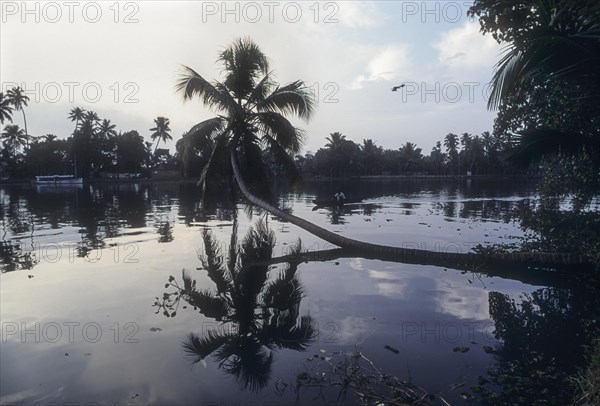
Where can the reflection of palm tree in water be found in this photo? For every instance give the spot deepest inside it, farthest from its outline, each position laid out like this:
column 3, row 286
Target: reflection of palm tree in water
column 259, row 314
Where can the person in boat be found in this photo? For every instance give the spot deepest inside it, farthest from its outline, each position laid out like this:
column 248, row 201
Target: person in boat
column 339, row 198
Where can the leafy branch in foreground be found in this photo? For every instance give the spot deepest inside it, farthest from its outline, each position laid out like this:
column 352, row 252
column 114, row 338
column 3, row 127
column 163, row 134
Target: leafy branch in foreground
column 355, row 372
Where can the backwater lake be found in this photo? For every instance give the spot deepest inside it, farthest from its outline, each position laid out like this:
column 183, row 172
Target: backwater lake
column 85, row 272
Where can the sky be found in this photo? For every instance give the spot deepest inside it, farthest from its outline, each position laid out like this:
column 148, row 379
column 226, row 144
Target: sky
column 122, row 59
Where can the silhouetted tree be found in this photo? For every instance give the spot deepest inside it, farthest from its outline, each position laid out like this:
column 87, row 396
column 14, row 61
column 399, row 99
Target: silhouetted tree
column 5, row 109
column 17, row 97
column 161, row 131
column 253, row 106
column 14, row 138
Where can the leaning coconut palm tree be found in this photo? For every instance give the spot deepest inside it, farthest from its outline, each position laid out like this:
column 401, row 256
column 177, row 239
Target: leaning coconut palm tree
column 5, row 109
column 161, row 131
column 18, row 99
column 252, row 122
column 14, row 138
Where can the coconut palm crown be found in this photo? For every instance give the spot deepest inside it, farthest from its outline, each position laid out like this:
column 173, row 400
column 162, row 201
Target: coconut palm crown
column 5, row 109
column 161, row 131
column 251, row 120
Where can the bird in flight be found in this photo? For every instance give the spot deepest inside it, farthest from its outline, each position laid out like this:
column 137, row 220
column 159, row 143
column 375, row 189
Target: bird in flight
column 395, row 88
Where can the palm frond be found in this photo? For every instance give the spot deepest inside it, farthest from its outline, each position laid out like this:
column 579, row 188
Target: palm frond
column 293, row 98
column 207, row 129
column 243, row 63
column 212, row 261
column 248, row 361
column 255, row 250
column 260, row 91
column 285, row 292
column 282, row 157
column 553, row 52
column 198, row 348
column 207, row 303
column 291, row 334
column 280, row 128
column 258, row 244
column 192, row 84
column 507, row 74
column 533, row 144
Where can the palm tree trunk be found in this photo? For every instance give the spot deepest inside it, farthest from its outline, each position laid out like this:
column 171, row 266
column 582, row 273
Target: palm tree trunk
column 25, row 124
column 156, row 147
column 402, row 254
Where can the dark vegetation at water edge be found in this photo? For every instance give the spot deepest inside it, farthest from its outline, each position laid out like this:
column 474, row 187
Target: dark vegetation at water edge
column 96, row 150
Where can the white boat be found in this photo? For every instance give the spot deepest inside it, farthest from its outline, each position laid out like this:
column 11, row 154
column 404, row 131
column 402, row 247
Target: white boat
column 58, row 180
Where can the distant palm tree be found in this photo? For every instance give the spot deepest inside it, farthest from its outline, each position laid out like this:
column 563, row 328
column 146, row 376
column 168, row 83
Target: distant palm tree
column 49, row 138
column 372, row 155
column 106, row 129
column 161, row 131
column 77, row 114
column 14, row 138
column 335, row 141
column 5, row 109
column 91, row 117
column 252, row 107
column 19, row 100
column 489, row 143
column 451, row 143
column 369, row 147
column 465, row 140
column 411, row 155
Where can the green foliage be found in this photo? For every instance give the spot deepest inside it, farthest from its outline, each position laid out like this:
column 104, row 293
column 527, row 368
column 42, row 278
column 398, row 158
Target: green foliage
column 543, row 336
column 548, row 79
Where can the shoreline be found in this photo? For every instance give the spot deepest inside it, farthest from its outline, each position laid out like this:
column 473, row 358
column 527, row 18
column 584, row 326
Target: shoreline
column 532, row 178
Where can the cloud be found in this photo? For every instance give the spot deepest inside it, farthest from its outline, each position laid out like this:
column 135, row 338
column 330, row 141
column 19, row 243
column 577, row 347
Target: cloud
column 387, row 64
column 355, row 14
column 466, row 48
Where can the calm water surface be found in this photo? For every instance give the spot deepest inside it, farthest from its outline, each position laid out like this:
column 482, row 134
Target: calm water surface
column 82, row 268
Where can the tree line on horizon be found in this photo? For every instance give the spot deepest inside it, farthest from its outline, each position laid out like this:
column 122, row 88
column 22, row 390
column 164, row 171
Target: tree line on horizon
column 454, row 155
column 94, row 147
